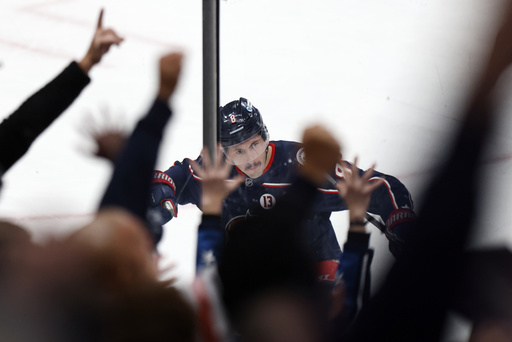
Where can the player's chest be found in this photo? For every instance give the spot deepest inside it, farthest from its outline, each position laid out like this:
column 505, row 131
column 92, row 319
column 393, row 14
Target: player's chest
column 265, row 194
column 263, row 191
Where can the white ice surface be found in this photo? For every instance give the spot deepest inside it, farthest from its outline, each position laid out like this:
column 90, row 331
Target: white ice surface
column 387, row 76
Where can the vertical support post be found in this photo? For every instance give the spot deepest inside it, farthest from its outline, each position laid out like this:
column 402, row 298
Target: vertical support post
column 210, row 74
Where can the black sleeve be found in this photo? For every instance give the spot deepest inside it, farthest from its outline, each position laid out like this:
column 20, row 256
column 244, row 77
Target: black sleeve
column 21, row 128
column 129, row 186
column 355, row 263
column 417, row 294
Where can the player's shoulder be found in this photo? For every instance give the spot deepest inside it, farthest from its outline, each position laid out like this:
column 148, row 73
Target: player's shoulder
column 286, row 143
column 286, row 146
column 288, row 150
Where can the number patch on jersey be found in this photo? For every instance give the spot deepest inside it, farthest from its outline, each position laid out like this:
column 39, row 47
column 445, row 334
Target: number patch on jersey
column 267, row 201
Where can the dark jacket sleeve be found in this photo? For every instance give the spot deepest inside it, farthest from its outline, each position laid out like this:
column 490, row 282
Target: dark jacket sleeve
column 21, row 128
column 210, row 241
column 354, row 273
column 354, row 270
column 129, row 187
column 415, row 298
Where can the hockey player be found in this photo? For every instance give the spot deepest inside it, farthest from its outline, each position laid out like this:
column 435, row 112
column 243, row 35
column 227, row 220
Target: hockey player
column 270, row 167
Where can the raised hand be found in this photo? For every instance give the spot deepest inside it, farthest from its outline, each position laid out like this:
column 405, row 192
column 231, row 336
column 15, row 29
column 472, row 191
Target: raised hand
column 322, row 153
column 215, row 184
column 101, row 42
column 501, row 54
column 109, row 134
column 356, row 191
column 109, row 143
column 170, row 67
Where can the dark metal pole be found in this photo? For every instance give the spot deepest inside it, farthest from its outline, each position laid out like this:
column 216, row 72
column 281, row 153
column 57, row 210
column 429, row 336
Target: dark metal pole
column 210, row 74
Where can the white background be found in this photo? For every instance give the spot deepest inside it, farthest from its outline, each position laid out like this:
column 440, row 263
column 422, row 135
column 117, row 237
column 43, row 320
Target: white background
column 388, row 77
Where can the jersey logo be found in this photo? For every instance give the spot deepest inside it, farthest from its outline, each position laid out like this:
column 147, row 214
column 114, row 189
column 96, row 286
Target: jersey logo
column 301, row 157
column 248, row 182
column 267, row 201
column 340, row 171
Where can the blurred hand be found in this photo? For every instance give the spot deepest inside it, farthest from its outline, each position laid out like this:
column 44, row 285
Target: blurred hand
column 170, row 67
column 322, row 153
column 356, row 191
column 109, row 133
column 109, row 144
column 215, row 184
column 101, row 42
column 501, row 55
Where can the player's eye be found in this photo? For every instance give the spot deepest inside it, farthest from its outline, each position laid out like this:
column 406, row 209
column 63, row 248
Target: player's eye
column 254, row 144
column 239, row 152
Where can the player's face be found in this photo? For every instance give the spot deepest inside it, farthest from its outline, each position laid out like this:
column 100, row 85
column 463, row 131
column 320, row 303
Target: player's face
column 248, row 156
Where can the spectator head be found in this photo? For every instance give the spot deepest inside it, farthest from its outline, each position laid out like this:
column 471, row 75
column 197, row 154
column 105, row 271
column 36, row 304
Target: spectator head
column 270, row 287
column 14, row 241
column 123, row 248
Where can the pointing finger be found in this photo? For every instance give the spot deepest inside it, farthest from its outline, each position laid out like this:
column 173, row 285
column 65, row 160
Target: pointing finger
column 100, row 20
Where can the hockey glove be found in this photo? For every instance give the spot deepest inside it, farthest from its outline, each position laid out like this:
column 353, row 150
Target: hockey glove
column 398, row 229
column 162, row 199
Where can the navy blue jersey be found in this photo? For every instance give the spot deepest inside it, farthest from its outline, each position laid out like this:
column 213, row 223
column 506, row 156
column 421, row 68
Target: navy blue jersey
column 391, row 203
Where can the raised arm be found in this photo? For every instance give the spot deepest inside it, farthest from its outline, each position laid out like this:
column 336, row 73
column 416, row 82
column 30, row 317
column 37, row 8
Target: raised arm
column 129, row 186
column 353, row 272
column 215, row 188
column 413, row 303
column 21, row 128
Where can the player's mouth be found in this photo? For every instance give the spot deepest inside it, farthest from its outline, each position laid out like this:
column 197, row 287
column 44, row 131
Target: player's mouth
column 252, row 166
